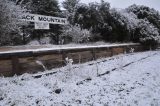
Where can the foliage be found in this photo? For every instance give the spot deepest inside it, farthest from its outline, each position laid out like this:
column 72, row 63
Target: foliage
column 94, row 17
column 148, row 29
column 87, row 22
column 76, row 34
column 70, row 6
column 149, row 35
column 135, row 23
column 144, row 12
column 9, row 23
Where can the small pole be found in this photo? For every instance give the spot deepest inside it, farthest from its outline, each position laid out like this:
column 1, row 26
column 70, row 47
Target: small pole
column 15, row 65
column 64, row 55
column 93, row 54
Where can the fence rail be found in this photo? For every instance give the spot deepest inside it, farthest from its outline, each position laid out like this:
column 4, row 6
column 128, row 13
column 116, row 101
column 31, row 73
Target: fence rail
column 25, row 61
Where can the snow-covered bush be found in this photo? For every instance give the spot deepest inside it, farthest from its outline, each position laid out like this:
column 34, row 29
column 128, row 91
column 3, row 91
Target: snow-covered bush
column 149, row 24
column 70, row 6
column 33, row 43
column 125, row 18
column 69, row 63
column 94, row 17
column 144, row 12
column 9, row 23
column 45, row 40
column 149, row 34
column 124, row 24
column 135, row 29
column 76, row 34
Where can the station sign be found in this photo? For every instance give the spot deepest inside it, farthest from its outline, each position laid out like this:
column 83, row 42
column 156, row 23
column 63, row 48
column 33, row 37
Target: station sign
column 42, row 22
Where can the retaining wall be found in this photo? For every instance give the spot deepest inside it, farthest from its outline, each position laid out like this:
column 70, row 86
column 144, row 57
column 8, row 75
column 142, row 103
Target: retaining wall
column 22, row 61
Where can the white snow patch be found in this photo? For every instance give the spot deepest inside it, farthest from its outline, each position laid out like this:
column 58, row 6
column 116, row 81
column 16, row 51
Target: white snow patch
column 137, row 84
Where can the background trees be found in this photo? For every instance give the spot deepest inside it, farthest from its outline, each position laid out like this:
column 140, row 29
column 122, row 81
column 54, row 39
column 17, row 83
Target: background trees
column 132, row 24
column 144, row 12
column 97, row 21
column 70, row 6
column 10, row 32
column 148, row 29
column 94, row 17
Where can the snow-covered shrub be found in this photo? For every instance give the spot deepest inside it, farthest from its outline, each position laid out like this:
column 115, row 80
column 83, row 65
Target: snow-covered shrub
column 144, row 12
column 135, row 29
column 149, row 34
column 9, row 23
column 76, row 34
column 70, row 6
column 34, row 42
column 45, row 40
column 125, row 18
column 131, row 50
column 123, row 25
column 94, row 17
column 69, row 63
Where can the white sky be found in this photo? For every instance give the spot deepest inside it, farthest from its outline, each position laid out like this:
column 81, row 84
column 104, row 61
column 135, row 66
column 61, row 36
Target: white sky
column 125, row 3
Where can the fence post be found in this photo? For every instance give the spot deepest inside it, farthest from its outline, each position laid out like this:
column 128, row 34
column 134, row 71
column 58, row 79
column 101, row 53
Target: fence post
column 64, row 56
column 93, row 54
column 15, row 65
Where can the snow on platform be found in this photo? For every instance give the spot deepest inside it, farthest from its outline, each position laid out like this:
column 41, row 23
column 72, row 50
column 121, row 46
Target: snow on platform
column 135, row 81
column 32, row 48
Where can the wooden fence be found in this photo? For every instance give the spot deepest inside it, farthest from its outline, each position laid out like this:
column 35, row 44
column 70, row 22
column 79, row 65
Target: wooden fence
column 25, row 61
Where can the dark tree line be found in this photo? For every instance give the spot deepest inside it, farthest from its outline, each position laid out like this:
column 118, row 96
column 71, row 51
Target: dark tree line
column 92, row 22
column 137, row 23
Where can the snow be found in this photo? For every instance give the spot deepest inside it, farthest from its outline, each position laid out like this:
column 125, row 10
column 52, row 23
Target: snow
column 132, row 80
column 126, row 18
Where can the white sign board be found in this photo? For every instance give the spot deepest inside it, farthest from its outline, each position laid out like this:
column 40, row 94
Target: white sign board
column 41, row 25
column 44, row 19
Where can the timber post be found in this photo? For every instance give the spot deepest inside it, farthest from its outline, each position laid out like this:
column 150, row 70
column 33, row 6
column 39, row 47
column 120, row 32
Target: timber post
column 15, row 65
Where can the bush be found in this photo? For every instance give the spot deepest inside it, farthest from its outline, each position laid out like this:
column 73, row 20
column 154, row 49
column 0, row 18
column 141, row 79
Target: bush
column 9, row 23
column 75, row 34
column 149, row 35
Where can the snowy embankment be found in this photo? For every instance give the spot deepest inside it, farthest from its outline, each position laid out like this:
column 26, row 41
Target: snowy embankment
column 123, row 80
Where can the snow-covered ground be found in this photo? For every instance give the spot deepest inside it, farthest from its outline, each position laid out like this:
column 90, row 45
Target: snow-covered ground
column 123, row 80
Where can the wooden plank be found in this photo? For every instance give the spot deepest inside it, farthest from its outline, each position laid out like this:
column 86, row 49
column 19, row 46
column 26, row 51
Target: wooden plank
column 80, row 57
column 117, row 50
column 103, row 54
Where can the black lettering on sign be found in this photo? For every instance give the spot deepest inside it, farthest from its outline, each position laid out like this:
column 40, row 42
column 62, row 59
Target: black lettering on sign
column 32, row 18
column 52, row 19
column 24, row 17
column 57, row 20
column 48, row 19
column 28, row 17
column 40, row 18
column 44, row 19
column 63, row 21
